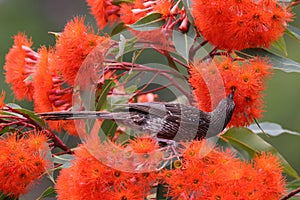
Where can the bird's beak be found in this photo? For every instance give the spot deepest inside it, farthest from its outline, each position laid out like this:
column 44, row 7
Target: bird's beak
column 231, row 94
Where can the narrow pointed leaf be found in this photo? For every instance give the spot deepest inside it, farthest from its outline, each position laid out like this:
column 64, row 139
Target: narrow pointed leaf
column 32, row 115
column 271, row 129
column 280, row 45
column 161, row 193
column 122, row 45
column 65, row 160
column 293, row 32
column 278, row 62
column 106, row 87
column 108, row 128
column 129, row 47
column 118, row 29
column 49, row 192
column 149, row 22
column 294, row 184
column 183, row 42
column 188, row 8
column 251, row 143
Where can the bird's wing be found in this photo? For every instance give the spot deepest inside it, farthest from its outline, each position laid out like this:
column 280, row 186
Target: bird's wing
column 154, row 108
column 173, row 111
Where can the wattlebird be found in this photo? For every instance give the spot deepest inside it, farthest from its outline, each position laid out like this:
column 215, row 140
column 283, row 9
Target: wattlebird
column 166, row 121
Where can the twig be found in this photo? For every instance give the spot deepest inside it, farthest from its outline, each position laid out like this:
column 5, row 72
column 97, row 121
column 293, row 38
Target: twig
column 31, row 123
column 291, row 194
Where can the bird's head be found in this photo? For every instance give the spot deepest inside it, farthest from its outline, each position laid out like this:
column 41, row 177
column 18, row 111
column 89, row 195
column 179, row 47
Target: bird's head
column 222, row 114
column 229, row 105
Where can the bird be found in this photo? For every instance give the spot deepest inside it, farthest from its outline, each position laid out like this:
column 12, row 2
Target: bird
column 165, row 121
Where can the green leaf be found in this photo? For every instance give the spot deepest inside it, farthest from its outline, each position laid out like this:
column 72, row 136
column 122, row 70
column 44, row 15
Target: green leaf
column 271, row 129
column 108, row 128
column 279, row 62
column 136, row 55
column 122, row 44
column 293, row 32
column 8, row 113
column 280, row 45
column 294, row 184
column 188, row 8
column 250, row 142
column 148, row 23
column 56, row 34
column 161, row 192
column 118, row 29
column 123, row 138
column 6, row 197
column 118, row 2
column 49, row 192
column 13, row 105
column 129, row 46
column 102, row 96
column 131, row 75
column 131, row 89
column 5, row 130
column 184, row 42
column 32, row 115
column 65, row 160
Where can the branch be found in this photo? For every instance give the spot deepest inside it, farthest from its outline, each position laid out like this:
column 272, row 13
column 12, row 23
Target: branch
column 291, row 194
column 27, row 121
column 113, row 65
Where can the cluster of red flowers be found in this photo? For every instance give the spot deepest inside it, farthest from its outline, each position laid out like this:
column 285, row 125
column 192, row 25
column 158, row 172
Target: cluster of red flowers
column 98, row 181
column 42, row 75
column 104, row 11
column 19, row 67
column 22, row 161
column 240, row 24
column 246, row 78
column 73, row 45
column 208, row 173
column 128, row 12
column 205, row 172
column 47, row 77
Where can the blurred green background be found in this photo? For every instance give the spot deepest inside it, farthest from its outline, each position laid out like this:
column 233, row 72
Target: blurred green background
column 37, row 17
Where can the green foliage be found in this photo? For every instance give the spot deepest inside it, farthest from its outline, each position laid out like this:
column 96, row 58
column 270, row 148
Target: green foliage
column 188, row 7
column 183, row 42
column 49, row 192
column 244, row 139
column 107, row 130
column 64, row 160
column 293, row 32
column 148, row 23
column 278, row 62
column 102, row 94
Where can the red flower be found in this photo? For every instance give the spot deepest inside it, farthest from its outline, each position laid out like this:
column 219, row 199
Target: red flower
column 143, row 145
column 43, row 82
column 247, row 80
column 130, row 13
column 21, row 162
column 19, row 67
column 240, row 24
column 49, row 94
column 270, row 173
column 219, row 174
column 163, row 7
column 98, row 181
column 104, row 11
column 73, row 46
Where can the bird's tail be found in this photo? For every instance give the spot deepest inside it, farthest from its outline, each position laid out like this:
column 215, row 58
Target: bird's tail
column 80, row 115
